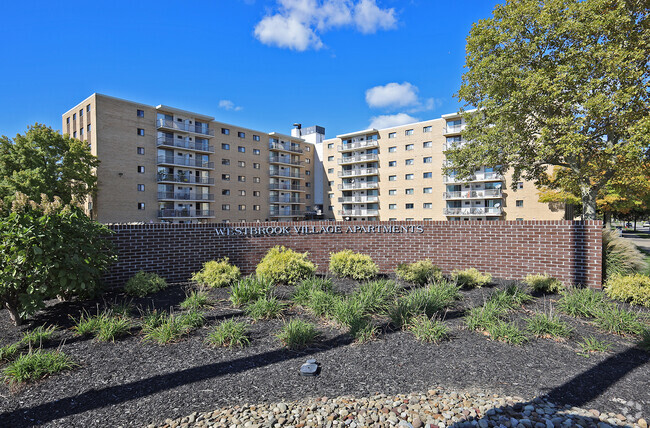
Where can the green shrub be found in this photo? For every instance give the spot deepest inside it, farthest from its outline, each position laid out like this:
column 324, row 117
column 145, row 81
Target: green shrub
column 152, row 319
column 376, row 297
column 621, row 256
column 86, row 324
column 297, row 334
column 229, row 333
column 507, row 332
column 9, row 352
column 284, row 266
column 39, row 335
column 629, row 288
column 321, row 303
column 217, row 273
column 591, row 344
column 111, row 328
column 249, row 289
column 143, row 283
column 470, row 278
column 548, row 326
column 348, row 264
column 484, row 317
column 543, row 283
column 426, row 329
column 581, row 302
column 36, row 365
column 348, row 311
column 264, row 308
column 302, row 291
column 612, row 319
column 428, row 301
column 192, row 319
column 163, row 328
column 362, row 330
column 196, row 300
column 510, row 297
column 420, row 273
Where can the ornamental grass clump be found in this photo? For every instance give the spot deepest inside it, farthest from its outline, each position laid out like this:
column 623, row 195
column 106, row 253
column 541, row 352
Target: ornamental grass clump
column 297, row 334
column 348, row 264
column 39, row 335
column 470, row 278
column 217, row 274
column 282, row 265
column 36, row 365
column 302, row 292
column 591, row 344
column 621, row 256
column 321, row 303
column 548, row 326
column 613, row 319
column 634, row 289
column 543, row 283
column 420, row 273
column 426, row 329
column 376, row 297
column 506, row 331
column 249, row 289
column 481, row 318
column 428, row 301
column 196, row 300
column 582, row 302
column 144, row 283
column 264, row 308
column 229, row 333
column 163, row 328
column 104, row 327
column 9, row 352
column 510, row 297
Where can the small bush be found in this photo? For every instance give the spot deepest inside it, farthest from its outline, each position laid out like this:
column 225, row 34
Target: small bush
column 229, row 334
column 122, row 309
column 426, row 329
column 420, row 273
column 196, row 300
column 581, row 302
column 510, row 297
column 39, row 335
column 548, row 326
column 86, row 324
column 612, row 319
column 542, row 283
column 470, row 278
column 9, row 352
column 348, row 264
column 111, row 328
column 143, row 283
column 152, row 319
column 348, row 312
column 36, row 365
column 217, row 273
column 629, row 288
column 482, row 318
column 248, row 290
column 284, row 266
column 507, row 332
column 321, row 303
column 264, row 308
column 591, row 344
column 376, row 297
column 621, row 256
column 428, row 301
column 192, row 319
column 163, row 328
column 362, row 330
column 302, row 291
column 297, row 334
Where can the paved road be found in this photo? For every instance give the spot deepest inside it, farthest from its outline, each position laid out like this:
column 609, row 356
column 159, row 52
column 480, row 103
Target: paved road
column 640, row 238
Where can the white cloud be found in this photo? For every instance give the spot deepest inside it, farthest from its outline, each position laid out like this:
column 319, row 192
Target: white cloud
column 428, row 104
column 390, row 120
column 392, row 95
column 297, row 24
column 229, row 105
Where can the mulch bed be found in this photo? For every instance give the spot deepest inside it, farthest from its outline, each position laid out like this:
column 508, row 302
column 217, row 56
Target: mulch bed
column 135, row 383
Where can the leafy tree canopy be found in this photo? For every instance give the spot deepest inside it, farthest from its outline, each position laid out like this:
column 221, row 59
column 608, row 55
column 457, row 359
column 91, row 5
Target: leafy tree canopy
column 559, row 83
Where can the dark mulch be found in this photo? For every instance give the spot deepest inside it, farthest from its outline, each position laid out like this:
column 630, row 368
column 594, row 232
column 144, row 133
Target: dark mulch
column 133, row 383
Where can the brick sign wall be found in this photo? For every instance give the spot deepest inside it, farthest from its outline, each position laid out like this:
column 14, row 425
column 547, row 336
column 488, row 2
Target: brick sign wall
column 568, row 250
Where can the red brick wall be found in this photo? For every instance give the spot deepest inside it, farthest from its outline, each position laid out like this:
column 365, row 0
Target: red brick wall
column 568, row 250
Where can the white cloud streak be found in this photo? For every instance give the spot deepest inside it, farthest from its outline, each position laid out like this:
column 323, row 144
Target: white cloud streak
column 229, row 105
column 392, row 95
column 390, row 120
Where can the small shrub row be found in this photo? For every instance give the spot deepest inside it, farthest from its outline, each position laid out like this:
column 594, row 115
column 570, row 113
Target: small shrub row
column 543, row 283
column 420, row 273
column 36, row 365
column 282, row 265
column 629, row 288
column 217, row 274
column 105, row 326
column 348, row 264
column 470, row 278
column 144, row 283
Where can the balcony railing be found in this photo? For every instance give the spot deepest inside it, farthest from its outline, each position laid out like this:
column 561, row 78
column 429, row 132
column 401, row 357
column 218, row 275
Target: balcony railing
column 285, row 173
column 190, row 179
column 485, row 176
column 285, row 147
column 184, row 127
column 284, row 200
column 451, row 129
column 475, row 211
column 186, row 196
column 473, row 194
column 170, row 213
column 284, row 159
column 289, row 187
column 358, row 145
column 182, row 143
column 359, row 172
column 367, row 157
column 358, row 213
column 359, row 199
column 285, row 213
column 184, row 161
column 361, row 185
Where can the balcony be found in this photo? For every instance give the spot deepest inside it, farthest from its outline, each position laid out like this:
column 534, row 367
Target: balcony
column 473, row 194
column 182, row 143
column 368, row 157
column 286, row 213
column 284, row 160
column 285, row 147
column 358, row 145
column 184, row 127
column 359, row 213
column 475, row 211
column 185, row 161
column 359, row 172
column 185, row 196
column 170, row 213
column 361, row 185
column 359, row 199
column 189, row 179
column 451, row 130
column 484, row 176
column 284, row 173
column 286, row 186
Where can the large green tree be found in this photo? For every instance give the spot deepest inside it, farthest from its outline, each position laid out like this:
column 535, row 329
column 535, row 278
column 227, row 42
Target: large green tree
column 45, row 162
column 558, row 83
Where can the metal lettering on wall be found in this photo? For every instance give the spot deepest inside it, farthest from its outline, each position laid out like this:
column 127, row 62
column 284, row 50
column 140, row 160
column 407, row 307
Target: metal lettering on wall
column 316, row 230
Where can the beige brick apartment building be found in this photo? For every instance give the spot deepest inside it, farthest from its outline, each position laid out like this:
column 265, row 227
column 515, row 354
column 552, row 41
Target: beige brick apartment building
column 160, row 163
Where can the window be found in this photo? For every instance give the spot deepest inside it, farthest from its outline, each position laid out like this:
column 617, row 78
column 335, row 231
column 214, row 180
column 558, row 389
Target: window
column 225, row 177
column 88, row 108
column 329, row 146
column 140, row 205
column 88, row 128
column 330, row 170
column 427, row 175
column 409, row 206
column 256, row 207
column 392, row 206
column 140, row 113
column 256, row 192
column 408, row 177
column 242, row 193
column 140, row 169
column 67, row 120
column 225, row 131
column 140, row 150
column 81, row 113
column 330, row 183
column 256, row 151
column 408, row 132
column 409, row 162
column 308, row 196
column 330, row 195
column 242, row 207
column 256, row 165
column 392, row 163
column 241, row 134
column 426, row 219
column 74, row 116
column 307, row 172
column 225, row 207
column 427, row 205
column 392, row 219
column 392, row 192
column 392, row 135
column 74, row 134
column 409, row 218
column 330, row 158
column 519, row 203
column 225, row 146
column 256, row 137
column 427, row 145
column 256, row 179
column 427, row 190
column 392, row 149
column 410, row 191
column 408, row 147
column 520, row 185
column 392, row 178
column 225, row 192
column 307, row 160
column 81, row 132
column 140, row 132
column 241, row 149
column 426, row 129
column 241, row 164
column 308, row 184
column 241, row 178
column 519, row 219
column 427, row 159
column 140, row 187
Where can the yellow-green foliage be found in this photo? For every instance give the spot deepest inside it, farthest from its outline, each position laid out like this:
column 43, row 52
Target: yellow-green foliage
column 282, row 265
column 630, row 288
column 348, row 264
column 217, row 273
column 470, row 278
column 421, row 272
column 143, row 283
column 543, row 283
column 621, row 256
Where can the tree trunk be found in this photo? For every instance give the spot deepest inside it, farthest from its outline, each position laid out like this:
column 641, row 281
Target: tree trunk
column 14, row 314
column 589, row 195
column 607, row 220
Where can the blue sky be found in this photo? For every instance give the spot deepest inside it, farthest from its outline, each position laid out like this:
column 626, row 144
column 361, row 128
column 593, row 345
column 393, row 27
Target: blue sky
column 341, row 64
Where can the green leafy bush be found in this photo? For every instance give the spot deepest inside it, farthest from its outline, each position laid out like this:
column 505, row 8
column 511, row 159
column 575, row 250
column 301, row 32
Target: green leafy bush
column 348, row 264
column 302, row 292
column 36, row 365
column 582, row 302
column 192, row 319
column 249, row 289
column 217, row 273
column 163, row 328
column 426, row 329
column 644, row 342
column 229, row 333
column 629, row 288
column 510, row 297
column 621, row 256
column 321, row 303
column 297, row 333
column 470, row 278
column 196, row 300
column 143, row 283
column 420, row 273
column 543, row 283
column 284, row 266
column 264, row 308
column 548, row 326
column 376, row 297
column 428, row 301
column 482, row 318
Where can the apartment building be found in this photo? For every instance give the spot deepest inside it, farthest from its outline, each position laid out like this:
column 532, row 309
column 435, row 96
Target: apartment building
column 397, row 174
column 164, row 164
